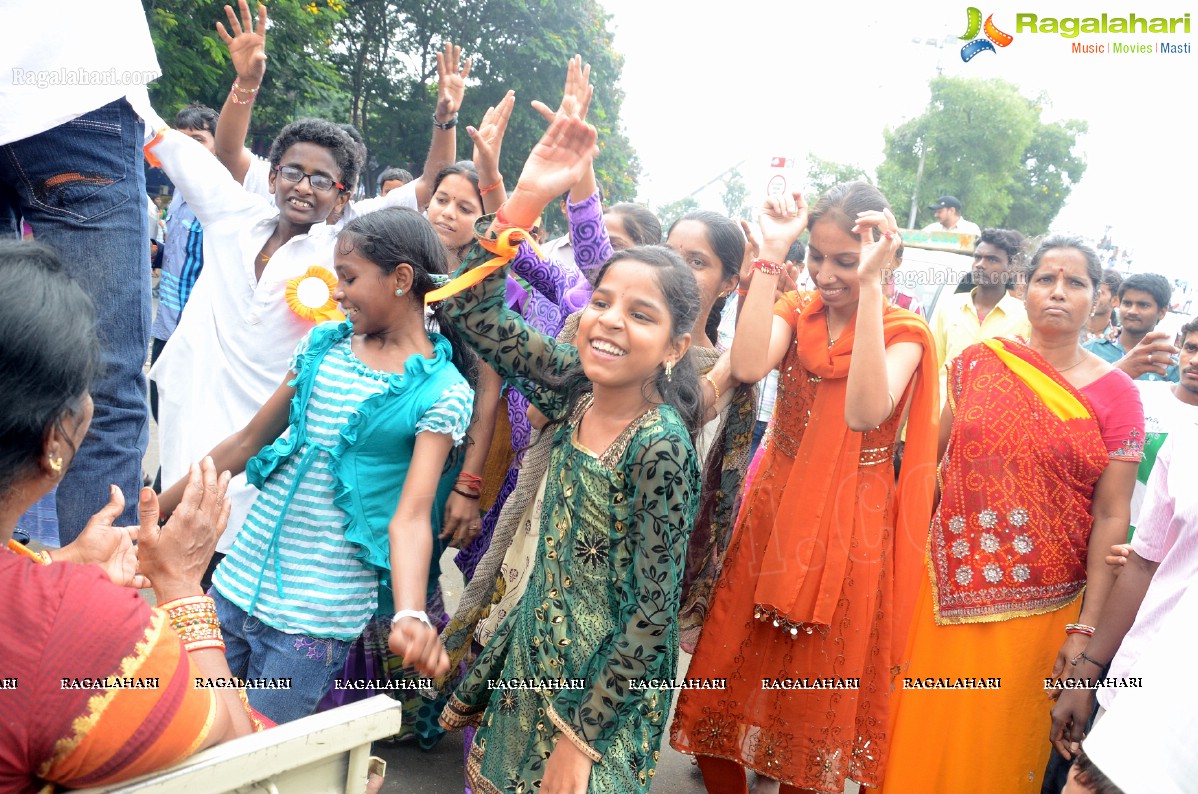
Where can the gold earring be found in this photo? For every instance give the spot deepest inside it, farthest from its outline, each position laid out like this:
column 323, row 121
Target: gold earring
column 56, row 464
column 670, row 371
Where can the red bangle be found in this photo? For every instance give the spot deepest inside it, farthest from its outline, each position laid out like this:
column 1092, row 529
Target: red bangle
column 503, row 223
column 767, row 267
column 482, row 191
column 742, row 291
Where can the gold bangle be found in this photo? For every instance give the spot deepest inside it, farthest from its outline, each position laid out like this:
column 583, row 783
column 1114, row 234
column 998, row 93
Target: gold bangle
column 707, row 377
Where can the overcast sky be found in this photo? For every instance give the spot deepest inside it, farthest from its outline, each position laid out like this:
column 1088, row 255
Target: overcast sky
column 710, row 85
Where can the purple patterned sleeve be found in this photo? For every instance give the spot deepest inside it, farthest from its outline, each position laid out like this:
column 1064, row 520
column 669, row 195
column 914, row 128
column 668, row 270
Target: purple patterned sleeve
column 567, row 284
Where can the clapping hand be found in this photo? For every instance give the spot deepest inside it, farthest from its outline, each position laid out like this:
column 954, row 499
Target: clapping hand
column 451, row 81
column 108, row 546
column 247, row 45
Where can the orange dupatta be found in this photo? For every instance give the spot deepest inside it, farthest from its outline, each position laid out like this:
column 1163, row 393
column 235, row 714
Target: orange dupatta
column 822, row 487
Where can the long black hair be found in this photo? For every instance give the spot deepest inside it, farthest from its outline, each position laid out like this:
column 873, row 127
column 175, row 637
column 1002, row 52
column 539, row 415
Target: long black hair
column 49, row 357
column 398, row 235
column 681, row 294
column 728, row 243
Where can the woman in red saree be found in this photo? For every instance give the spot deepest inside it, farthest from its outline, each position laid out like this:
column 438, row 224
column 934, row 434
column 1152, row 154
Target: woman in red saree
column 1042, row 445
column 823, row 565
column 95, row 685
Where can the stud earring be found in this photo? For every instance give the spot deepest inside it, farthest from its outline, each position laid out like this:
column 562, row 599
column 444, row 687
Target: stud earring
column 670, row 371
column 56, row 464
column 399, row 292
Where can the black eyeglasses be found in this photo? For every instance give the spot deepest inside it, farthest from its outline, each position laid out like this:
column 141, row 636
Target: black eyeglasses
column 318, row 181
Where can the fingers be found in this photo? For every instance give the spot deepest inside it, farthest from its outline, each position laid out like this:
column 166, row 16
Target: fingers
column 247, row 23
column 224, row 34
column 262, row 16
column 544, row 110
column 147, row 513
column 111, row 511
column 234, row 24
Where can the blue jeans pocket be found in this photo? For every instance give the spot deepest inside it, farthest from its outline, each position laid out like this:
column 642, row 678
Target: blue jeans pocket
column 76, row 170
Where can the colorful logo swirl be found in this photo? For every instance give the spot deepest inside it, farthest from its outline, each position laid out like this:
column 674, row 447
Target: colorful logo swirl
column 992, row 35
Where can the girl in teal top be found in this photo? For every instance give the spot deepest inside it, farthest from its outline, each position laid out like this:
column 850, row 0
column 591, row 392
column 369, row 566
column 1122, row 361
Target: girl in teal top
column 373, row 410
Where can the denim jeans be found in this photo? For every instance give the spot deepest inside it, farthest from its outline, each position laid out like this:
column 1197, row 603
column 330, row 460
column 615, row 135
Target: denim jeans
column 82, row 188
column 255, row 650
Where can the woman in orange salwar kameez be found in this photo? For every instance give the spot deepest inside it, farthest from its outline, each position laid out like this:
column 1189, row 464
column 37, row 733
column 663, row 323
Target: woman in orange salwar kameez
column 824, row 564
column 1043, row 441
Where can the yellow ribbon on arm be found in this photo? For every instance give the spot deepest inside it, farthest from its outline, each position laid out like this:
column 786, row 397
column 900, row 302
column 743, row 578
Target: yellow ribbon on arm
column 504, row 247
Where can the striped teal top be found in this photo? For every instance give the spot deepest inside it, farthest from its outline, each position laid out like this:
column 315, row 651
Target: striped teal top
column 292, row 565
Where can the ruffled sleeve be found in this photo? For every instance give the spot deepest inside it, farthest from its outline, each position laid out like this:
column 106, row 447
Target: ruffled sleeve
column 450, row 414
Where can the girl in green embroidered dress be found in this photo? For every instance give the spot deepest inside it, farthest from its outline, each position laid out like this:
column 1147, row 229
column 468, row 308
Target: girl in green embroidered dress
column 571, row 693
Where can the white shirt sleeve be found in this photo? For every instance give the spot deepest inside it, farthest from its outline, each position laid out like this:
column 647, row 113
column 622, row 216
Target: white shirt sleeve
column 257, row 177
column 200, row 178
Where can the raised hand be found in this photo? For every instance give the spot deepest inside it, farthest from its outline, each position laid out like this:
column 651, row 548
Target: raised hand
column 451, row 81
column 576, row 97
column 247, row 45
column 876, row 254
column 488, row 138
column 555, row 164
column 782, row 220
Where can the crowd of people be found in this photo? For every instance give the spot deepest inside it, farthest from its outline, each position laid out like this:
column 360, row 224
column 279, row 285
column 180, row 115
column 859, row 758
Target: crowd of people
column 904, row 551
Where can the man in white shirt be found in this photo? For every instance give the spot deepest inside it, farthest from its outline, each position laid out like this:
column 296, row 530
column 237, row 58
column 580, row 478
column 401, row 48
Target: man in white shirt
column 947, row 210
column 71, row 165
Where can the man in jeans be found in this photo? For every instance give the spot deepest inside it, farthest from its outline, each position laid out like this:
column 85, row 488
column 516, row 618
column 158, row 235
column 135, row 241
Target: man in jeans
column 71, row 166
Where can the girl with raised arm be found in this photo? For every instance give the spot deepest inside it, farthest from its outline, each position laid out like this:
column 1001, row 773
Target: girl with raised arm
column 614, row 512
column 826, row 551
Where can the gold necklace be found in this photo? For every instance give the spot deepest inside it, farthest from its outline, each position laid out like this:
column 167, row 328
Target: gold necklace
column 1074, row 364
column 828, row 325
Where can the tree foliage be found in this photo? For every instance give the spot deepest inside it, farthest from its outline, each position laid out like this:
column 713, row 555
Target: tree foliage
column 736, row 196
column 373, row 63
column 823, row 174
column 668, row 213
column 986, row 144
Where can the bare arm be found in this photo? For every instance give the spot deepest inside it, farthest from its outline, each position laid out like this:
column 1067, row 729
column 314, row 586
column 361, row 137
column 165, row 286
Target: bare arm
column 174, row 556
column 462, row 520
column 761, row 338
column 234, row 452
column 451, row 87
column 411, row 537
column 870, row 400
column 247, row 49
column 1111, row 510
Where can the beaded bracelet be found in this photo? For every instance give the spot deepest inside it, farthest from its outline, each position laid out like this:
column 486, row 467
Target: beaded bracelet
column 237, row 87
column 767, row 267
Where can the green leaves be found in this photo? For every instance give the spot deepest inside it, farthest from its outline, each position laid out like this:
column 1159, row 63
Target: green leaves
column 983, row 142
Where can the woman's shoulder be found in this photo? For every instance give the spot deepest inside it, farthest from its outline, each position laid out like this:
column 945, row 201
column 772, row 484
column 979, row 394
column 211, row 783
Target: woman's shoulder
column 662, row 430
column 79, row 595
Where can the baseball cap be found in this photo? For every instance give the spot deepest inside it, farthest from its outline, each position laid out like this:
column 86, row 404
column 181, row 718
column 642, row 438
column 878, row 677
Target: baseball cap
column 946, row 201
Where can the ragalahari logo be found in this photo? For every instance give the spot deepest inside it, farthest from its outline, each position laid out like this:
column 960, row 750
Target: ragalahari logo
column 993, row 36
